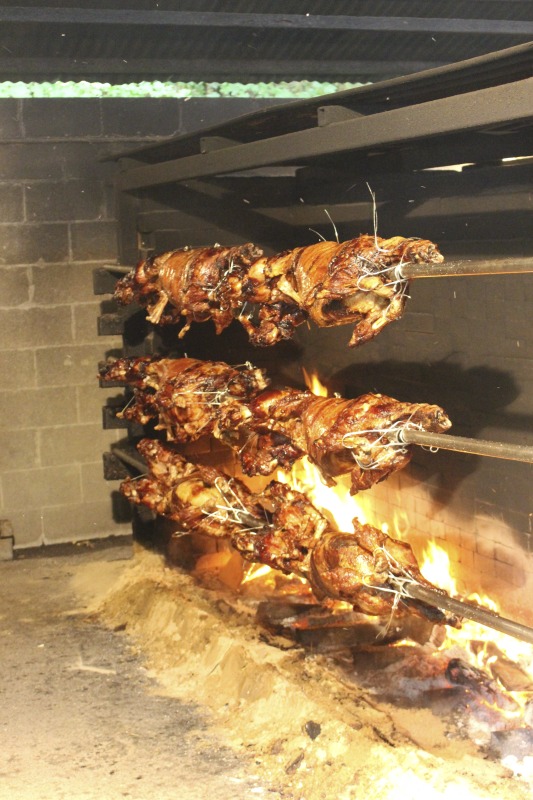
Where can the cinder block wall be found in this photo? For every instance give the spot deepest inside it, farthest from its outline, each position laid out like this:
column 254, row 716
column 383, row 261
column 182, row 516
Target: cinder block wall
column 57, row 224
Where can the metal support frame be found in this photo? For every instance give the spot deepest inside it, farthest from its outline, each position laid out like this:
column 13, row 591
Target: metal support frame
column 494, row 109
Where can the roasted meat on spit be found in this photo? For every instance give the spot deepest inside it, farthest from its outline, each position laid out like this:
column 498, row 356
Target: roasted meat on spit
column 195, row 284
column 183, row 394
column 356, row 437
column 271, row 428
column 197, row 497
column 282, row 529
column 330, row 283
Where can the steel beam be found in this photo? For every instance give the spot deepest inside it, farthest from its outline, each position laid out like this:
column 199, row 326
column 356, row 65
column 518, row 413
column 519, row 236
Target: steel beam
column 104, row 17
column 494, row 107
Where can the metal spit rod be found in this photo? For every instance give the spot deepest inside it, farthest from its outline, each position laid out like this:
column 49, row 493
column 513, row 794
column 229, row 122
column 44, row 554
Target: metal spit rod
column 461, row 444
column 464, row 608
column 492, row 266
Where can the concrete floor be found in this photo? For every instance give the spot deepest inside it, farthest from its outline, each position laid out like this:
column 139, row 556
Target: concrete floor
column 80, row 717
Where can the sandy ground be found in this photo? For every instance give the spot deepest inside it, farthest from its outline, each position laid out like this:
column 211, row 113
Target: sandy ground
column 81, row 718
column 121, row 677
column 312, row 734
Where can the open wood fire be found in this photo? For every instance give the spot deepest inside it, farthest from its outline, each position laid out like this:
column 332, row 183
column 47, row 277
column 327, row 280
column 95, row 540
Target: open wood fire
column 322, row 573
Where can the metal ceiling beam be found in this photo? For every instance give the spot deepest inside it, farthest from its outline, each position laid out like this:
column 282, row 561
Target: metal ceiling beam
column 299, row 22
column 206, row 69
column 498, row 106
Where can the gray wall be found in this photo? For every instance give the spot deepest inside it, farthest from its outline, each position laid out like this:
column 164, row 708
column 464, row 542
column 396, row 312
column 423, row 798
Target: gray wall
column 56, row 225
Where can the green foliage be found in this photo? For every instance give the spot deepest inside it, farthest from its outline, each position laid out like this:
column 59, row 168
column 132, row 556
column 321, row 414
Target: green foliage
column 287, row 89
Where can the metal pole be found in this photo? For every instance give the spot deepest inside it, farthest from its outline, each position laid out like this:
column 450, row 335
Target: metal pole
column 464, row 608
column 461, row 444
column 493, row 266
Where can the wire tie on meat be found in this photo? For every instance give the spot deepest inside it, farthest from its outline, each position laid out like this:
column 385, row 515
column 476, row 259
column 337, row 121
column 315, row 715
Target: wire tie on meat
column 130, row 401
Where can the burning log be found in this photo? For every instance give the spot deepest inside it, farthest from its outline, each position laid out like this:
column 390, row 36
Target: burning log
column 273, row 428
column 282, row 529
column 330, row 283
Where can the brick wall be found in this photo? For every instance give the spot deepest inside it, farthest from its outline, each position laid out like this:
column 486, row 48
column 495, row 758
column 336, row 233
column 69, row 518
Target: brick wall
column 56, row 225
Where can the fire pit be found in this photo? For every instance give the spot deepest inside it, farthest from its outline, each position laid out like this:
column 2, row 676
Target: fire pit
column 393, row 674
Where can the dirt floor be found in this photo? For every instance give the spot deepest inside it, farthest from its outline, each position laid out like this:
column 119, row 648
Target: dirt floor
column 122, row 677
column 80, row 716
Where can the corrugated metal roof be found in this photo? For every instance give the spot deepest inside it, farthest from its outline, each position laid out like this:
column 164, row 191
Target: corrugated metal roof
column 252, row 41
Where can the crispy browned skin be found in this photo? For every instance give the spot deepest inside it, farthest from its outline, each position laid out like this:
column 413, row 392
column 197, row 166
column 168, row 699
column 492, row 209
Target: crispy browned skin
column 198, row 497
column 333, row 284
column 355, row 437
column 183, row 394
column 330, row 283
column 194, row 284
column 271, row 428
column 346, row 565
column 280, row 528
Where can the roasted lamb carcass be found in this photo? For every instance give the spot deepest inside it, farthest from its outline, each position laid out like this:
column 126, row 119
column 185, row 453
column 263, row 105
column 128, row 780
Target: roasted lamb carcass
column 356, row 437
column 280, row 528
column 191, row 284
column 198, row 497
column 366, row 569
column 183, row 394
column 332, row 284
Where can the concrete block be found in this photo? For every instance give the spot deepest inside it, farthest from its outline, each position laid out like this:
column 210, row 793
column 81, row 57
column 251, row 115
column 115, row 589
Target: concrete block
column 18, row 450
column 40, row 488
column 33, row 327
column 65, row 200
column 59, row 284
column 10, row 118
column 485, row 547
column 507, row 555
column 70, row 444
column 86, row 327
column 62, row 117
column 70, row 365
column 202, row 112
column 14, row 286
column 90, row 400
column 76, row 522
column 127, row 117
column 23, row 377
column 29, row 244
column 94, row 487
column 93, row 241
column 38, row 161
column 27, row 527
column 37, row 408
column 83, row 160
column 11, row 202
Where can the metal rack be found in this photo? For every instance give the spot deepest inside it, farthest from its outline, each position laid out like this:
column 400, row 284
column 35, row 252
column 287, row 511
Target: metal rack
column 270, row 177
column 246, row 179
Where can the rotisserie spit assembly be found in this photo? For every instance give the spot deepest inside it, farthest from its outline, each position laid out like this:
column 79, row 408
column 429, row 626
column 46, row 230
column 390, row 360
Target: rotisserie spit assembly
column 362, row 282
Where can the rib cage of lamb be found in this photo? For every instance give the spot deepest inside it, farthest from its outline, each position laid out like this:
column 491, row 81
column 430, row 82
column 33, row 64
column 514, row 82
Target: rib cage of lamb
column 329, row 283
